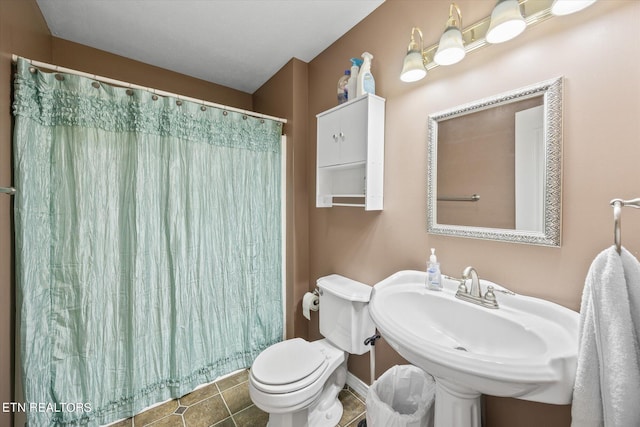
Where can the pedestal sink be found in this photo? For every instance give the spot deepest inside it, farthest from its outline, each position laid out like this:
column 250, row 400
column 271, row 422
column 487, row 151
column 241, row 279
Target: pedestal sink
column 527, row 348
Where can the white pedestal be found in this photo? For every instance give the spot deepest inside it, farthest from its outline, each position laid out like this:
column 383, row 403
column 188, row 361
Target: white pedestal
column 456, row 406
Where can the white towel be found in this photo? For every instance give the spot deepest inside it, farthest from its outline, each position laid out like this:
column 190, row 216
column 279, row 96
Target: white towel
column 607, row 387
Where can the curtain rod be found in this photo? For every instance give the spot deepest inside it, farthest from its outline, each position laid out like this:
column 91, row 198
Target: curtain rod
column 148, row 89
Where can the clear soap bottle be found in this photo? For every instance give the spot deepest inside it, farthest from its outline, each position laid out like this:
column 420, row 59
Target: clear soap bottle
column 434, row 277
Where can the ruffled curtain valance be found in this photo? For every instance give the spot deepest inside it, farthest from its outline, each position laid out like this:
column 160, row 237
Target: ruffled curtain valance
column 53, row 99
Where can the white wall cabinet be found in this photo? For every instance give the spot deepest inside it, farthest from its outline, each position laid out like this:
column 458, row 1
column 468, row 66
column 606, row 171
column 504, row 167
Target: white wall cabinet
column 350, row 154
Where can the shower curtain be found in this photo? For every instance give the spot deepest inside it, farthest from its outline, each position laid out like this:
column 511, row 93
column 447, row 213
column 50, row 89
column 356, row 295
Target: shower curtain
column 148, row 245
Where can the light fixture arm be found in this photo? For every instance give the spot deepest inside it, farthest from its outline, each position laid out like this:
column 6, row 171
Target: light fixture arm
column 414, row 46
column 452, row 22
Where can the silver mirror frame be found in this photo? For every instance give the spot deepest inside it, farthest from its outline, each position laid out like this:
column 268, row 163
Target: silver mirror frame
column 552, row 93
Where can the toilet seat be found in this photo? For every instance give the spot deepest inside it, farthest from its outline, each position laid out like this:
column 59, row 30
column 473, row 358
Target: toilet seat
column 289, row 366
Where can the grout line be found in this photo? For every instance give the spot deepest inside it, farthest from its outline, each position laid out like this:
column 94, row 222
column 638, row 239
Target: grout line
column 358, row 397
column 235, row 386
column 351, row 423
column 242, row 410
column 226, row 406
column 231, row 388
column 225, row 401
column 232, row 420
column 166, row 416
column 242, row 382
column 355, row 394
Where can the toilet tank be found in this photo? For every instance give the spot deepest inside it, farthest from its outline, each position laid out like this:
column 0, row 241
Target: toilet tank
column 344, row 313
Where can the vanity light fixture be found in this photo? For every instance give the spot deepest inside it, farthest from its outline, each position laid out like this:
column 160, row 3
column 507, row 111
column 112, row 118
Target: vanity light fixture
column 451, row 46
column 456, row 41
column 414, row 66
column 507, row 22
column 567, row 7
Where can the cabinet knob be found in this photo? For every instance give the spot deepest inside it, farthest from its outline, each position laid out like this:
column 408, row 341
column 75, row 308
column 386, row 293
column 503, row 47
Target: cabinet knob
column 335, row 137
column 342, row 135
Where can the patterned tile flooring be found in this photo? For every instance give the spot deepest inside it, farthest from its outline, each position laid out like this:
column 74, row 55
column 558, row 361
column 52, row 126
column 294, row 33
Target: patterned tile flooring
column 226, row 403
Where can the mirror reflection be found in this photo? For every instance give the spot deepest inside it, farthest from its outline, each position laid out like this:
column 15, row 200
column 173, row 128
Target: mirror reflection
column 483, row 154
column 494, row 167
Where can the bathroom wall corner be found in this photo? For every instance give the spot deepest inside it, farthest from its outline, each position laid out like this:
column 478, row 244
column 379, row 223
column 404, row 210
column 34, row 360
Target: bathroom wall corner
column 285, row 95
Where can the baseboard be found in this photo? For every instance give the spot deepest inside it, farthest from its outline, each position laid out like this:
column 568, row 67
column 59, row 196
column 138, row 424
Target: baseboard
column 357, row 385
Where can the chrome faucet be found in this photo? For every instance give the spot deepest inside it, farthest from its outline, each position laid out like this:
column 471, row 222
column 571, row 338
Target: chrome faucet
column 475, row 282
column 474, row 293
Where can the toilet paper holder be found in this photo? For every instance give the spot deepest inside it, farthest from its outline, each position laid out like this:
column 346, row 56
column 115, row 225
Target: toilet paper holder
column 317, row 292
column 311, row 302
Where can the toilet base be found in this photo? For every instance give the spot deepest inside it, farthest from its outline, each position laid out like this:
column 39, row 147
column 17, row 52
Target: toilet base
column 295, row 419
column 326, row 411
column 327, row 417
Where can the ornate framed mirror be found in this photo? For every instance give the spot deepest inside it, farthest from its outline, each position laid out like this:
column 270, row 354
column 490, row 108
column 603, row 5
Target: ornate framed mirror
column 495, row 167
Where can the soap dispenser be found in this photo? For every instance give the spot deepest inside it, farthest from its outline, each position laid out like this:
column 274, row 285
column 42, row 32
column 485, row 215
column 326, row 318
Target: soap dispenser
column 434, row 277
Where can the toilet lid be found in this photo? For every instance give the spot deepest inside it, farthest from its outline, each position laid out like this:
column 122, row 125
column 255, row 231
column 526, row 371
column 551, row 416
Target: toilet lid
column 287, row 362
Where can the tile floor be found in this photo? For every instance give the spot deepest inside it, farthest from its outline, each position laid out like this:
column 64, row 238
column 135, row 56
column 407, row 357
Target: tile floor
column 226, row 403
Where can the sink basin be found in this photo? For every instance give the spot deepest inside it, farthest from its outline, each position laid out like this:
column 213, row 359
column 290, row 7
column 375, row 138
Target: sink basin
column 526, row 349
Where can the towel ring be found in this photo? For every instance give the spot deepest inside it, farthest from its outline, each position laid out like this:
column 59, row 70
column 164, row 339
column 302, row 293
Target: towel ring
column 617, row 214
column 618, row 204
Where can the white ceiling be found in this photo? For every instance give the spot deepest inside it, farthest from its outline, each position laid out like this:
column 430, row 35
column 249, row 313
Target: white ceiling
column 235, row 43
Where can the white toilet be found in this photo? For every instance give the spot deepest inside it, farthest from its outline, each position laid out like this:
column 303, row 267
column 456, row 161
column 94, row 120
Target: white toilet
column 296, row 381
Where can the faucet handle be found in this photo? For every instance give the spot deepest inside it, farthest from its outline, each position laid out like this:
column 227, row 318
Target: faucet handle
column 462, row 286
column 489, row 295
column 489, row 299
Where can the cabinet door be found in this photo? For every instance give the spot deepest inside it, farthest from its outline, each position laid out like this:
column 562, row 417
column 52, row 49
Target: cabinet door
column 329, row 140
column 353, row 125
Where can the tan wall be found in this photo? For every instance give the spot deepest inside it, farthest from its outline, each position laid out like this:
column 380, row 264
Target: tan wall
column 285, row 95
column 23, row 31
column 594, row 51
